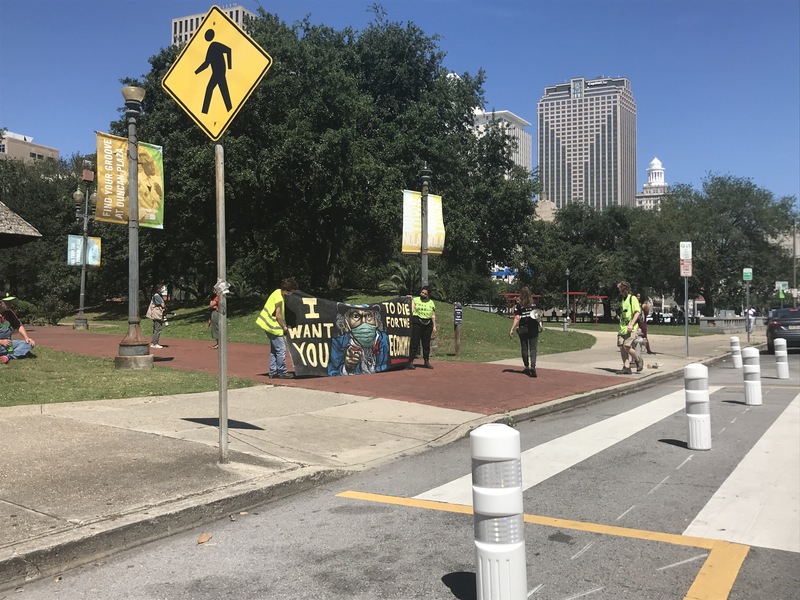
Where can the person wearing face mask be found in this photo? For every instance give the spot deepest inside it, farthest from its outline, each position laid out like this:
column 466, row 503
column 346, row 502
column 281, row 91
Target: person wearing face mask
column 423, row 326
column 362, row 345
column 157, row 311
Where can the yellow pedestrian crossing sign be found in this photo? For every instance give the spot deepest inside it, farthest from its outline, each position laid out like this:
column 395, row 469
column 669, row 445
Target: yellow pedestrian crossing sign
column 216, row 72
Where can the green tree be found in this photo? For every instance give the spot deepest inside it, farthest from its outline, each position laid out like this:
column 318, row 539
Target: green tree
column 732, row 224
column 41, row 193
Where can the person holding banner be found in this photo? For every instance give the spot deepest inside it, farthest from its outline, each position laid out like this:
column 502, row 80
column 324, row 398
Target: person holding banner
column 272, row 319
column 423, row 326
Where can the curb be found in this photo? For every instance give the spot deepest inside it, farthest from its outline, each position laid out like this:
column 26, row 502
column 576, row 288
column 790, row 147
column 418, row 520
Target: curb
column 97, row 540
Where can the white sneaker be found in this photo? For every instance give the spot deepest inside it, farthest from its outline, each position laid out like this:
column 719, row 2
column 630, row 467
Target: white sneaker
column 156, row 346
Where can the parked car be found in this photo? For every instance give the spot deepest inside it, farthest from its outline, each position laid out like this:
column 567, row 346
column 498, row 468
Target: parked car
column 784, row 323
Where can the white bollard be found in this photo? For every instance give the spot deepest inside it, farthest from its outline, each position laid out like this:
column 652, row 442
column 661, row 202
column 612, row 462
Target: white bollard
column 752, row 376
column 695, row 377
column 736, row 352
column 781, row 358
column 497, row 506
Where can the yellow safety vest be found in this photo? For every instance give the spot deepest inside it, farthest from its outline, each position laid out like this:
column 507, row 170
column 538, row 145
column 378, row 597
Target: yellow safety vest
column 266, row 318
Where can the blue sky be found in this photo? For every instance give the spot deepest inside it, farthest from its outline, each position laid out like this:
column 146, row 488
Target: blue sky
column 716, row 82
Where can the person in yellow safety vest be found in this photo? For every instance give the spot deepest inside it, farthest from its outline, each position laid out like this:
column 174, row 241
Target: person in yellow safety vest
column 628, row 326
column 272, row 319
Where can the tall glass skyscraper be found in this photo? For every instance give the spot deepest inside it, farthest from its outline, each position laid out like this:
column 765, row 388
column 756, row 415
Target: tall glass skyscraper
column 587, row 143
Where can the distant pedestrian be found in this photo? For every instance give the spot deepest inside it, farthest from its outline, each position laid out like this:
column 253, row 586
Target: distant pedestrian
column 527, row 326
column 628, row 315
column 423, row 326
column 751, row 319
column 157, row 311
column 214, row 320
column 643, row 327
column 272, row 319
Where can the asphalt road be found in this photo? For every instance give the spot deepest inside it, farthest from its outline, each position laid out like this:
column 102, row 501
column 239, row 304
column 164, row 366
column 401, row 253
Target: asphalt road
column 618, row 508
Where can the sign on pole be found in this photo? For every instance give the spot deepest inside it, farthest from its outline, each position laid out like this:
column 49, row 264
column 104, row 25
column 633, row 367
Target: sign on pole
column 686, row 267
column 216, row 72
column 747, row 274
column 686, row 250
column 75, row 251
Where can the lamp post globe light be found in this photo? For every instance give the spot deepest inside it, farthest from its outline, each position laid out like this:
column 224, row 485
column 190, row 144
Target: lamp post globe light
column 134, row 349
column 425, row 175
column 82, row 201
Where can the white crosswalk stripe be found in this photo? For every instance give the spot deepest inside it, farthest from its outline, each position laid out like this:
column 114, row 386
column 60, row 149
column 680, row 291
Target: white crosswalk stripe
column 759, row 503
column 553, row 457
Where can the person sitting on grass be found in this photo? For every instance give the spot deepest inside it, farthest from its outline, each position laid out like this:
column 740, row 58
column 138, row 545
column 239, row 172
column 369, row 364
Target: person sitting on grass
column 9, row 323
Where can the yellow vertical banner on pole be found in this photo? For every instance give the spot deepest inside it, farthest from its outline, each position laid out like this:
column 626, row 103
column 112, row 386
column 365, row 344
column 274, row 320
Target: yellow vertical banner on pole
column 112, row 179
column 151, row 186
column 412, row 223
column 112, row 182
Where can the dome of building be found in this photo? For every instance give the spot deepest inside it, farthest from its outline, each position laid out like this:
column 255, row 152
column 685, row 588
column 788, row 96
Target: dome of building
column 655, row 163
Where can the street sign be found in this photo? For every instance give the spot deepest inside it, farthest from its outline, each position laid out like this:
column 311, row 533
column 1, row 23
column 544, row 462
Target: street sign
column 781, row 285
column 686, row 267
column 216, row 72
column 747, row 274
column 686, row 250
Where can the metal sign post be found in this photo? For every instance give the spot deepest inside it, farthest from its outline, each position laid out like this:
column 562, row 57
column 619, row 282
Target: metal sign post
column 747, row 277
column 458, row 317
column 212, row 78
column 222, row 292
column 686, row 272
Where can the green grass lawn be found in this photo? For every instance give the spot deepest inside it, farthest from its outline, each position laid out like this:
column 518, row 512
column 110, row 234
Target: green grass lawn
column 62, row 377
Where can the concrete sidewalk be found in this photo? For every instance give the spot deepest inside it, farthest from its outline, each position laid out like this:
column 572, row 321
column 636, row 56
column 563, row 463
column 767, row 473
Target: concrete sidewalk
column 83, row 480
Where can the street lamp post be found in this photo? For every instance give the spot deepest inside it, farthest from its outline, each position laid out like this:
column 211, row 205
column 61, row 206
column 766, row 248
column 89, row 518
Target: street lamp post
column 566, row 317
column 85, row 199
column 425, row 175
column 134, row 349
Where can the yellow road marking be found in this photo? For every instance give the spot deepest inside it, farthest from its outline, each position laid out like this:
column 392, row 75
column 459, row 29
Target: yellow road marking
column 713, row 582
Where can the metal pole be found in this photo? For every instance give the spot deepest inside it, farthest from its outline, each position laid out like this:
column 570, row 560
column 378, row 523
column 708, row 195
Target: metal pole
column 686, row 312
column 425, row 174
column 222, row 292
column 134, row 349
column 566, row 316
column 80, row 320
column 747, row 312
column 83, row 253
column 794, row 262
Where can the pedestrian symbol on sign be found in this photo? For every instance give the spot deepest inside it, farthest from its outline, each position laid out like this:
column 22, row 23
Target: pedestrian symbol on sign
column 215, row 58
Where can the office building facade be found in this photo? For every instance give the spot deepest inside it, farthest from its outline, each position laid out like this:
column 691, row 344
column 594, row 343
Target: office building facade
column 183, row 28
column 587, row 143
column 22, row 147
column 514, row 126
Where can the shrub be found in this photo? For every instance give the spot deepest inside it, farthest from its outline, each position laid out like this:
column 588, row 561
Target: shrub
column 51, row 310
